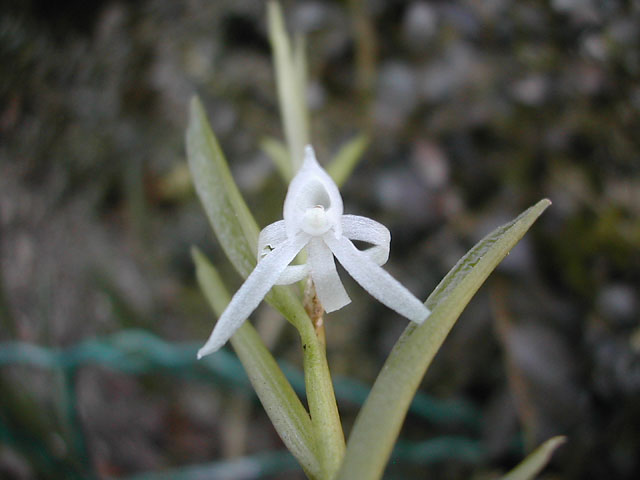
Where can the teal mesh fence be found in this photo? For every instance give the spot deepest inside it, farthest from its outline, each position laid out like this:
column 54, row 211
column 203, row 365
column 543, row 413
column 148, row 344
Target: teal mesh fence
column 138, row 352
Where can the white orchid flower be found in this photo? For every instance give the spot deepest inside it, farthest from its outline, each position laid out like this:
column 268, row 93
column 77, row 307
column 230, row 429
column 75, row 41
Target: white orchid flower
column 313, row 218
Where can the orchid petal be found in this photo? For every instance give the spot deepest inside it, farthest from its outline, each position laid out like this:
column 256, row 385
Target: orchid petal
column 293, row 274
column 252, row 291
column 364, row 229
column 312, row 187
column 329, row 288
column 379, row 283
column 270, row 237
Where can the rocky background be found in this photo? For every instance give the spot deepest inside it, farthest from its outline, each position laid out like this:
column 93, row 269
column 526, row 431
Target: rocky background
column 475, row 111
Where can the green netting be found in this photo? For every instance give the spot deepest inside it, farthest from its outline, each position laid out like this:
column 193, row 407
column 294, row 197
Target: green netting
column 138, row 352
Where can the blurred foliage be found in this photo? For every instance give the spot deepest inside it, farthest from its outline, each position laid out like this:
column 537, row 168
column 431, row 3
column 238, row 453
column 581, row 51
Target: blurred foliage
column 473, row 110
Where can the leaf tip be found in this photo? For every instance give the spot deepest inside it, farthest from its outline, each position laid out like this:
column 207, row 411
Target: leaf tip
column 539, row 207
column 196, row 254
column 195, row 109
column 194, row 102
column 556, row 441
column 545, row 202
column 274, row 14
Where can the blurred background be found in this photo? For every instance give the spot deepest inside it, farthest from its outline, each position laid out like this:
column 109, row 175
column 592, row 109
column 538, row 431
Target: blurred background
column 475, row 110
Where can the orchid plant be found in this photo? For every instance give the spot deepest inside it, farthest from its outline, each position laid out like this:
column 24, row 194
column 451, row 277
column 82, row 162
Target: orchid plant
column 314, row 221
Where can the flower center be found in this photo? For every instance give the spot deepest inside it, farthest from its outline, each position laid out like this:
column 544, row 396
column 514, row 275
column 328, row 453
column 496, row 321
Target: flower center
column 315, row 221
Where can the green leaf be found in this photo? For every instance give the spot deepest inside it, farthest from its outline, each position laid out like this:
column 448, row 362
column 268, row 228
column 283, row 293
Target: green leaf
column 536, row 461
column 228, row 214
column 227, row 211
column 289, row 71
column 286, row 412
column 380, row 419
column 278, row 152
column 347, row 158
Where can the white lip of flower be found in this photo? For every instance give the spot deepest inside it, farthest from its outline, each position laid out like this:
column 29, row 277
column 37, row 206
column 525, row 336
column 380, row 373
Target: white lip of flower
column 313, row 218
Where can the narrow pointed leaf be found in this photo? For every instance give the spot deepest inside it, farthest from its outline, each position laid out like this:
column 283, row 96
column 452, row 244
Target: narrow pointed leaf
column 476, row 265
column 380, row 419
column 534, row 463
column 286, row 412
column 228, row 214
column 290, row 92
column 345, row 161
column 227, row 211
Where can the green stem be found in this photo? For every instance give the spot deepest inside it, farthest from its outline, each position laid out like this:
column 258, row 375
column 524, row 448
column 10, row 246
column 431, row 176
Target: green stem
column 322, row 403
column 320, row 393
column 327, row 428
column 281, row 403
